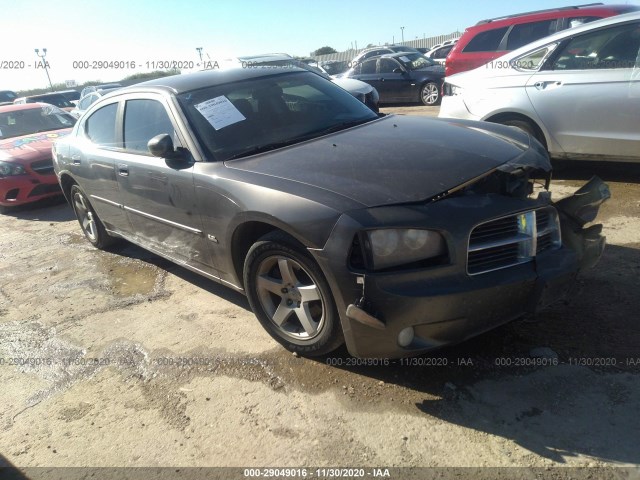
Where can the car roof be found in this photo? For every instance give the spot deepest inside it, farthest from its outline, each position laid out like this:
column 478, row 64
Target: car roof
column 206, row 78
column 570, row 32
column 21, row 106
column 561, row 12
column 42, row 95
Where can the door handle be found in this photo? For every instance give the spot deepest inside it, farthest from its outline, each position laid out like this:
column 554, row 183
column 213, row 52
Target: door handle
column 75, row 159
column 543, row 85
column 123, row 170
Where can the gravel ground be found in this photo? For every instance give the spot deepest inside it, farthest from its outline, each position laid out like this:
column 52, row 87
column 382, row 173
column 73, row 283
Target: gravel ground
column 123, row 359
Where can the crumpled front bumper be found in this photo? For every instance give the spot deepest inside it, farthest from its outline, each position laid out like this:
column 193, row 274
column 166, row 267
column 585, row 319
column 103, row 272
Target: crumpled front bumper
column 444, row 305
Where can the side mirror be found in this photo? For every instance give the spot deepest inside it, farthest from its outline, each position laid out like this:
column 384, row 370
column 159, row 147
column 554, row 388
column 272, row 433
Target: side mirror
column 162, row 146
column 398, row 70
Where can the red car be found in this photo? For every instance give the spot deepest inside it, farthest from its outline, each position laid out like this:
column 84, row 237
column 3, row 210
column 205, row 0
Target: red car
column 27, row 133
column 492, row 38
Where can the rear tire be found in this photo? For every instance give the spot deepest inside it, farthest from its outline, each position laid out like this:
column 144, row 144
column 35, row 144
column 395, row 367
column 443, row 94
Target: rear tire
column 290, row 296
column 90, row 224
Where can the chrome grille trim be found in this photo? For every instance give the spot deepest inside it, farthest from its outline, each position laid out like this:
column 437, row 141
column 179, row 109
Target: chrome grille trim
column 512, row 240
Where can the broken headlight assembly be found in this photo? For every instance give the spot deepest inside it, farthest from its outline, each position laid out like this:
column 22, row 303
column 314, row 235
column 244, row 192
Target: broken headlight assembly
column 392, row 248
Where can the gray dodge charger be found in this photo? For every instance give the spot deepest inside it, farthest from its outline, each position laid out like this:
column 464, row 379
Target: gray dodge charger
column 392, row 234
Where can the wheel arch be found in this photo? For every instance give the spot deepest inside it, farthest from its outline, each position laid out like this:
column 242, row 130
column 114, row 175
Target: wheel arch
column 248, row 233
column 66, row 182
column 504, row 116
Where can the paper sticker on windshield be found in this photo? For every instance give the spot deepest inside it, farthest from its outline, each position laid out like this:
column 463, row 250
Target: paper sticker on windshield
column 220, row 112
column 405, row 59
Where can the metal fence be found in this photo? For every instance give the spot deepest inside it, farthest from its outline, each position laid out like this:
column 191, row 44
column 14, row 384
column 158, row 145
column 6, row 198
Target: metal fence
column 347, row 55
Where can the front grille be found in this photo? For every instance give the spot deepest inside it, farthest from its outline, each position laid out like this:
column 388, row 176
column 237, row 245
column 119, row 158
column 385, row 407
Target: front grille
column 512, row 240
column 43, row 167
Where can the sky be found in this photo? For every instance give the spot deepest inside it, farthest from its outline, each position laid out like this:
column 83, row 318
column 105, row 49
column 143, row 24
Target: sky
column 150, row 31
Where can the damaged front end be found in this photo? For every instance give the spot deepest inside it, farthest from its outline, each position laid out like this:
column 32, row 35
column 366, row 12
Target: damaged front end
column 538, row 246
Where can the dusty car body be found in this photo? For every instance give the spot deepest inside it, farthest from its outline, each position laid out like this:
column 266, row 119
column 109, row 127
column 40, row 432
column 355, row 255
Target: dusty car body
column 27, row 133
column 394, row 234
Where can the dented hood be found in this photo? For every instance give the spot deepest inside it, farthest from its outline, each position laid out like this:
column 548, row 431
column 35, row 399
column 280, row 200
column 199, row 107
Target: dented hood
column 400, row 159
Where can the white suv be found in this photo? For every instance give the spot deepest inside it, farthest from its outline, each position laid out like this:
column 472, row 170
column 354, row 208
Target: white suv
column 577, row 92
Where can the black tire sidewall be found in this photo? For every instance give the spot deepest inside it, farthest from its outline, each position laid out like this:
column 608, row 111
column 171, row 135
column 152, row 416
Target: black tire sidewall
column 330, row 337
column 103, row 239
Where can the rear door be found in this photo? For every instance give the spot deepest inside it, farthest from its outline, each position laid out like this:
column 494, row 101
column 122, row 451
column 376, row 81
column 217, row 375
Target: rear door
column 587, row 93
column 92, row 164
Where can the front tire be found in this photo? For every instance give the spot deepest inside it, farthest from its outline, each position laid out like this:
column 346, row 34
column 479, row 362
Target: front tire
column 290, row 296
column 527, row 127
column 430, row 94
column 90, row 224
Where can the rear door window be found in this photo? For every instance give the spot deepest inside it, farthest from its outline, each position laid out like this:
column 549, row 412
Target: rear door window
column 487, row 41
column 525, row 33
column 100, row 127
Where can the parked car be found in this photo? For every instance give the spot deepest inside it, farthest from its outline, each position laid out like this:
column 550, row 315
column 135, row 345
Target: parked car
column 377, row 51
column 86, row 101
column 401, row 77
column 7, row 97
column 492, row 38
column 395, row 234
column 361, row 90
column 27, row 133
column 95, row 88
column 334, row 67
column 72, row 95
column 438, row 53
column 53, row 98
column 577, row 92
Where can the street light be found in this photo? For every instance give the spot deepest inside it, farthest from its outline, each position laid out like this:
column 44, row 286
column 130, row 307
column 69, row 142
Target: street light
column 402, row 28
column 199, row 49
column 44, row 54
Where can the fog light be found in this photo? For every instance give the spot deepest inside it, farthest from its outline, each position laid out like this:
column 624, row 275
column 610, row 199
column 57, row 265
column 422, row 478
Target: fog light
column 405, row 337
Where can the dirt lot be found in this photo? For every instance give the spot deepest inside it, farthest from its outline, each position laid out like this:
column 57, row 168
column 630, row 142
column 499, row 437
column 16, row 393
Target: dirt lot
column 183, row 375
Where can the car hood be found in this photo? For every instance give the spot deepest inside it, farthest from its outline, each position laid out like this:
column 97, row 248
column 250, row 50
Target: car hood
column 352, row 85
column 400, row 159
column 30, row 147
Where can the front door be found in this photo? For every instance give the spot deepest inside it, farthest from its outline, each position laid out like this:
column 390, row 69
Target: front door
column 159, row 200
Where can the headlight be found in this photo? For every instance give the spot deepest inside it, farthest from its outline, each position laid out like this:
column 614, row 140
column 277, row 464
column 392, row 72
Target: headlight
column 8, row 169
column 394, row 246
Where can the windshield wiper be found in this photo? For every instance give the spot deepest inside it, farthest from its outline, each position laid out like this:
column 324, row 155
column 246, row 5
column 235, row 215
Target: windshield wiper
column 343, row 126
column 262, row 148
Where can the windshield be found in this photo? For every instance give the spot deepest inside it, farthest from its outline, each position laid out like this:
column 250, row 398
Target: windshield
column 269, row 112
column 18, row 123
column 415, row 61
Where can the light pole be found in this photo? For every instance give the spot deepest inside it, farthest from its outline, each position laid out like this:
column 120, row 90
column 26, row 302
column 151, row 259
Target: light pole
column 199, row 49
column 402, row 29
column 44, row 54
